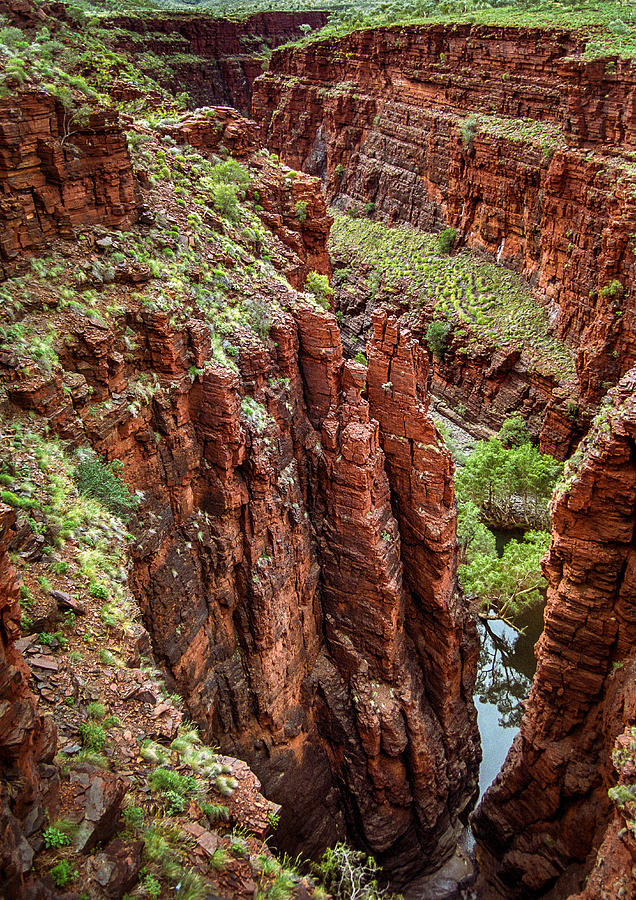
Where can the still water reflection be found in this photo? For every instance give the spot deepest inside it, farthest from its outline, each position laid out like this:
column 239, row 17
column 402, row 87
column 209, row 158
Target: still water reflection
column 504, row 678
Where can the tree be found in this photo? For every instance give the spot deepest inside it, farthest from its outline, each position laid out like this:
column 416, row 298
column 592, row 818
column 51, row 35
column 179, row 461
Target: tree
column 509, row 485
column 514, row 432
column 512, row 581
column 472, row 535
column 437, row 337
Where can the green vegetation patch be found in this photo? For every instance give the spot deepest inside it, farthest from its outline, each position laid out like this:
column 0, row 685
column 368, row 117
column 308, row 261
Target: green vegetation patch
column 486, row 304
column 604, row 28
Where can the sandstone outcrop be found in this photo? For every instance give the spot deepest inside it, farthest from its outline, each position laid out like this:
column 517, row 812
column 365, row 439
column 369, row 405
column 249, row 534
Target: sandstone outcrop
column 58, row 171
column 549, row 806
column 29, row 783
column 539, row 178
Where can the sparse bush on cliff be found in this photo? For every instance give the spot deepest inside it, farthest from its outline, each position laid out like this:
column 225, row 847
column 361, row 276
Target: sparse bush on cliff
column 259, row 314
column 300, row 211
column 469, row 130
column 437, row 337
column 63, row 874
column 319, row 286
column 446, row 240
column 225, row 201
column 103, row 481
column 612, row 291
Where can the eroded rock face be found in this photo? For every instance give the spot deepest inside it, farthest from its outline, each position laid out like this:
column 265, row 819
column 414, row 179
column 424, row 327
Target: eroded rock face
column 58, row 173
column 298, row 580
column 28, row 786
column 549, row 806
column 378, row 114
column 215, row 60
column 268, row 562
column 371, row 726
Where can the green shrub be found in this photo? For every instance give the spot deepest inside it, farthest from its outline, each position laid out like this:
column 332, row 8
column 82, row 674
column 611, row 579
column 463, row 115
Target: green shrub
column 133, row 816
column 151, row 886
column 216, row 812
column 225, row 201
column 514, row 432
column 361, row 358
column 230, row 171
column 319, row 286
column 469, row 130
column 93, row 736
column 96, row 711
column 103, row 481
column 93, row 758
column 612, row 291
column 63, row 873
column 300, row 211
column 98, row 591
column 437, row 337
column 219, row 859
column 55, row 838
column 446, row 240
column 259, row 314
column 174, row 788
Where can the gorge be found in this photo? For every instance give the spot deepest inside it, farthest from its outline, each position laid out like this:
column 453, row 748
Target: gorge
column 230, row 602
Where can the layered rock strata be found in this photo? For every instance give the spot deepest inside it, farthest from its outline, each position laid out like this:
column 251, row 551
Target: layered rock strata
column 539, row 178
column 214, row 59
column 57, row 172
column 29, row 783
column 297, row 579
column 272, row 577
column 549, row 807
column 478, row 388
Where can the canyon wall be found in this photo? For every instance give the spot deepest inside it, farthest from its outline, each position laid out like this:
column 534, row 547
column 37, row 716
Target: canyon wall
column 295, row 555
column 549, row 808
column 478, row 388
column 215, row 60
column 58, row 172
column 297, row 581
column 29, row 784
column 541, row 180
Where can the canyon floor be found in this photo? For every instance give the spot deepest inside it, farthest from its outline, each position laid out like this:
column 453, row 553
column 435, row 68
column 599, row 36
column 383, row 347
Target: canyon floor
column 317, row 409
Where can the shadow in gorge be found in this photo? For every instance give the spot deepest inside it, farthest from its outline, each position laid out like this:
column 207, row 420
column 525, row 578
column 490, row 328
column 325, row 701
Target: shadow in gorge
column 504, row 677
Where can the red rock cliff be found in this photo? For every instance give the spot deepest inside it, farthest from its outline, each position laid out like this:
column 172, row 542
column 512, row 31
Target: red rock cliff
column 378, row 115
column 214, row 59
column 549, row 806
column 297, row 581
column 58, row 173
